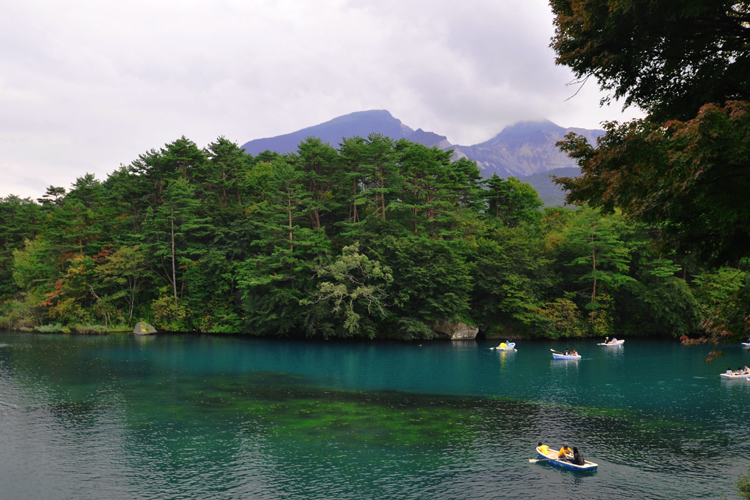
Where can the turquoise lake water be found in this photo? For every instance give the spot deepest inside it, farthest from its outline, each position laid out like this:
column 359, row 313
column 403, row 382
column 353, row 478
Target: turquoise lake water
column 201, row 417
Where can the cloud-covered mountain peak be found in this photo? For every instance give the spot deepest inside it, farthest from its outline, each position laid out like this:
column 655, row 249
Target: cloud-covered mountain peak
column 521, row 149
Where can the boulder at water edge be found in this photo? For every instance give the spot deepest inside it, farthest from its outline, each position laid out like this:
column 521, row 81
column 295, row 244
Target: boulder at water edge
column 143, row 328
column 456, row 331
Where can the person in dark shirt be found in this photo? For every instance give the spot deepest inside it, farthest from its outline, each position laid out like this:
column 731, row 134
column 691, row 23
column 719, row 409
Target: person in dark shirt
column 578, row 456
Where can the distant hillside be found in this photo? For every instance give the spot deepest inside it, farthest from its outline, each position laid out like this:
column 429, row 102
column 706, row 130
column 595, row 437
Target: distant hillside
column 361, row 123
column 524, row 149
column 550, row 193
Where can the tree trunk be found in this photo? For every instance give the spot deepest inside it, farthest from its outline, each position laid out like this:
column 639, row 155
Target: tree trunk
column 291, row 234
column 223, row 187
column 354, row 214
column 382, row 194
column 593, row 264
column 132, row 286
column 174, row 265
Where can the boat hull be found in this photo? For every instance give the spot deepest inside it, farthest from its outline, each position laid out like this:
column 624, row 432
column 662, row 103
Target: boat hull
column 612, row 344
column 727, row 376
column 551, row 458
column 565, row 356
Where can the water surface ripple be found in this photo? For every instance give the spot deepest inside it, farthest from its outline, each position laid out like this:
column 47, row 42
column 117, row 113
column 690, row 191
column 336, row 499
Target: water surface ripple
column 176, row 417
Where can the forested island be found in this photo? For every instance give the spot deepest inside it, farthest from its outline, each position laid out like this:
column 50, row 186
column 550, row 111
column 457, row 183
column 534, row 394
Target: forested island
column 374, row 238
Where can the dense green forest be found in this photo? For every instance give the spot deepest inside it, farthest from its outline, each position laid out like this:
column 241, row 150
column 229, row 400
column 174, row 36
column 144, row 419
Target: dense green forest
column 683, row 169
column 374, row 239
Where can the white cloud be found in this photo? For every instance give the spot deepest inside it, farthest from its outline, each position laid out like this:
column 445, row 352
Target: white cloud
column 87, row 85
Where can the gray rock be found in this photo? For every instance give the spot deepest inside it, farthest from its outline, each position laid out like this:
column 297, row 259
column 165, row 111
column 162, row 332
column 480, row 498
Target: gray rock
column 143, row 328
column 456, row 331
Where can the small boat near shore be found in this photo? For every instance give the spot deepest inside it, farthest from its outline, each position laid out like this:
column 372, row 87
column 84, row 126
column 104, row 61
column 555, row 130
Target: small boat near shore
column 612, row 343
column 551, row 457
column 735, row 376
column 506, row 346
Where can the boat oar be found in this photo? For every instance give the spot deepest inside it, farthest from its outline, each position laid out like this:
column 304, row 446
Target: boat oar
column 535, row 460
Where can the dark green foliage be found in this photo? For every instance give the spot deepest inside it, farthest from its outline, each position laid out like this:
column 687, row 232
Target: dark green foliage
column 512, row 202
column 123, row 274
column 323, row 180
column 174, row 235
column 211, row 298
column 683, row 170
column 227, row 167
column 667, row 57
column 691, row 179
column 379, row 239
column 653, row 306
column 431, row 282
column 20, row 219
column 599, row 257
column 511, row 275
column 684, row 167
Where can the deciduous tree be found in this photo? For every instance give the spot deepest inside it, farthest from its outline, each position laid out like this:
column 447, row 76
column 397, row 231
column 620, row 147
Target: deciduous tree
column 353, row 288
column 667, row 57
column 688, row 179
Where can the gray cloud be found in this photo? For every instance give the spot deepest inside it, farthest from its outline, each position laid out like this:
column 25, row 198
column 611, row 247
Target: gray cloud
column 88, row 85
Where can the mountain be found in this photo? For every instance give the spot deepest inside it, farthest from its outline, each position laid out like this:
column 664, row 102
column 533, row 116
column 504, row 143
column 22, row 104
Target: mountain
column 550, row 193
column 525, row 150
column 361, row 123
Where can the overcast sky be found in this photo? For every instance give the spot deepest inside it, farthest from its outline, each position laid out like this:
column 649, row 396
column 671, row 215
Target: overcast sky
column 87, row 85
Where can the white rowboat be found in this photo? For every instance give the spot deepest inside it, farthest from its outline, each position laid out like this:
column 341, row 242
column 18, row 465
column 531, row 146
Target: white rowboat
column 557, row 355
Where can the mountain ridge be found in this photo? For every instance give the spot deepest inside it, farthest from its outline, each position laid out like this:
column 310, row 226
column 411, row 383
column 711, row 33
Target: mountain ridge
column 524, row 149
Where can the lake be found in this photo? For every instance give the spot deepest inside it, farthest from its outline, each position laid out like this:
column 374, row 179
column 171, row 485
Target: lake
column 191, row 416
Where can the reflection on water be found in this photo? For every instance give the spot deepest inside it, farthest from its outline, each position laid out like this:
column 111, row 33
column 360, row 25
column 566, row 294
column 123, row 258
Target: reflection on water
column 735, row 382
column 558, row 364
column 506, row 359
column 217, row 417
column 614, row 351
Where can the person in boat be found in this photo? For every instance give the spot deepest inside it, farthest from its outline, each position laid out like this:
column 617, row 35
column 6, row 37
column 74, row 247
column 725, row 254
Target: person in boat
column 746, row 371
column 574, row 353
column 578, row 456
column 729, row 370
column 614, row 340
column 567, row 353
column 543, row 448
column 564, row 452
